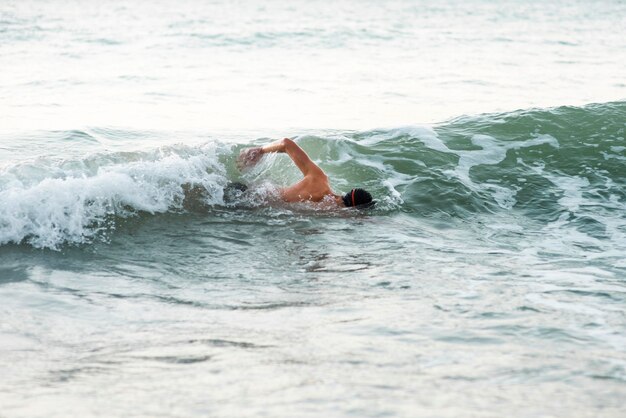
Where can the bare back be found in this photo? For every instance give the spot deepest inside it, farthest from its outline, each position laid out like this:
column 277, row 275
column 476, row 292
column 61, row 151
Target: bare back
column 313, row 188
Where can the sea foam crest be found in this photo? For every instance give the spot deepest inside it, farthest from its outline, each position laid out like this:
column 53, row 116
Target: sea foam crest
column 73, row 206
column 492, row 152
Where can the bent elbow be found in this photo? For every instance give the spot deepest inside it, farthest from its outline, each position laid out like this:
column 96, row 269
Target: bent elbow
column 288, row 145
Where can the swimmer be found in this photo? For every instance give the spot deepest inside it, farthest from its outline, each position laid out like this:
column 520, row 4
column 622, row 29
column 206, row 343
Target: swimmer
column 314, row 187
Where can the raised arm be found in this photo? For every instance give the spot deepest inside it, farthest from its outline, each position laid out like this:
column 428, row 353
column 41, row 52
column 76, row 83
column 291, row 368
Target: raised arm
column 286, row 145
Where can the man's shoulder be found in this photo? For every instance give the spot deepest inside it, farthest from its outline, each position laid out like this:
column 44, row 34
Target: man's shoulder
column 317, row 173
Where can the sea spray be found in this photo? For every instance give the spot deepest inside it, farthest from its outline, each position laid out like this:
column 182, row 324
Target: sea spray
column 81, row 198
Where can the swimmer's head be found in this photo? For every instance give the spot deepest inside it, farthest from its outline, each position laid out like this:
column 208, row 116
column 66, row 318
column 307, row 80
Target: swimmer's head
column 358, row 198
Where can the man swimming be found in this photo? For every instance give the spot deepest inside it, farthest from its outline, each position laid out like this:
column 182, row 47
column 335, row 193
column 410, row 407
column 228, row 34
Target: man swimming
column 314, row 187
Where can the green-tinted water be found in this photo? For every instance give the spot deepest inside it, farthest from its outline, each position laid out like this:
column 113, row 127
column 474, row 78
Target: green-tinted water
column 487, row 282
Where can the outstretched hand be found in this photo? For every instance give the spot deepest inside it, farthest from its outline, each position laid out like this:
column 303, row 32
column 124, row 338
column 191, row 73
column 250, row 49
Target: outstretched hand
column 249, row 157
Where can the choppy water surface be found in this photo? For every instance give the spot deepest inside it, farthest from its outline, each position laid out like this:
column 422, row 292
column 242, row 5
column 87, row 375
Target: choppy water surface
column 488, row 281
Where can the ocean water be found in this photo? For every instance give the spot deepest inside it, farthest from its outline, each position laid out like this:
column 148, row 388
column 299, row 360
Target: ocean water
column 488, row 281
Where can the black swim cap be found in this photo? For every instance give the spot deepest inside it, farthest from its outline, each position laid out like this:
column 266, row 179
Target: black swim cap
column 358, row 198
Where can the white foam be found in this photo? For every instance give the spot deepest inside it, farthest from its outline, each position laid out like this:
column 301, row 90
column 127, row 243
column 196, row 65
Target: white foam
column 73, row 206
column 424, row 133
column 493, row 152
column 563, row 236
